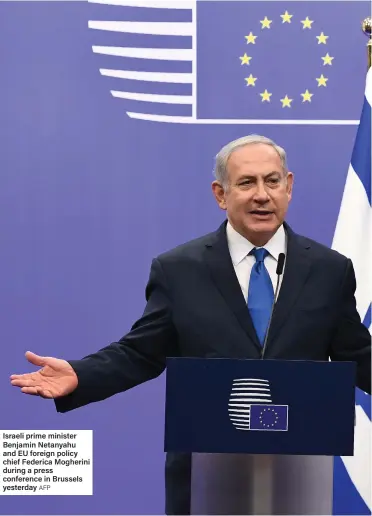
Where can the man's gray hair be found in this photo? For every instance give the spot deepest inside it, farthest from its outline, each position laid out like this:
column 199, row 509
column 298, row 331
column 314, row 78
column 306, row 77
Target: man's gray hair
column 220, row 170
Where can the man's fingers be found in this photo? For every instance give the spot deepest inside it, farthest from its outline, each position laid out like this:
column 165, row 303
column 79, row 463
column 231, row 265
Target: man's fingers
column 30, row 390
column 23, row 381
column 24, row 376
column 37, row 391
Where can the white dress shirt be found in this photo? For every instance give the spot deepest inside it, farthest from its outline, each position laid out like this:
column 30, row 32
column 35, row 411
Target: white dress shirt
column 240, row 248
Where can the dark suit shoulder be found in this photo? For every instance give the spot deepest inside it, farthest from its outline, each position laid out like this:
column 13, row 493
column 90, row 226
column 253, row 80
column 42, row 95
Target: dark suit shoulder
column 188, row 250
column 322, row 252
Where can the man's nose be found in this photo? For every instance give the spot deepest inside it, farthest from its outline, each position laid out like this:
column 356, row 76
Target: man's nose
column 260, row 194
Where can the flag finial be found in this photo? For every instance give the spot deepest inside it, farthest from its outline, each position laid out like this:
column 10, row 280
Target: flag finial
column 367, row 27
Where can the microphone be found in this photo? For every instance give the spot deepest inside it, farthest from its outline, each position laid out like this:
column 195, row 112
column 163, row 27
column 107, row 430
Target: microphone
column 279, row 272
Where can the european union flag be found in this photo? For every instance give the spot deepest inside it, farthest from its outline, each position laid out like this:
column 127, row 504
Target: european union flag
column 271, row 60
column 269, row 417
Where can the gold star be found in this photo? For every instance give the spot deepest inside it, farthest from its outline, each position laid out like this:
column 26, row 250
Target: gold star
column 322, row 81
column 322, row 38
column 251, row 39
column 286, row 17
column 266, row 96
column 245, row 59
column 307, row 23
column 327, row 60
column 307, row 96
column 266, row 23
column 286, row 102
column 251, row 80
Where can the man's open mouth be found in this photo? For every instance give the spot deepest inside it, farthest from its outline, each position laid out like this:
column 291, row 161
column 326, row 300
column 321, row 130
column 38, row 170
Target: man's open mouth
column 260, row 212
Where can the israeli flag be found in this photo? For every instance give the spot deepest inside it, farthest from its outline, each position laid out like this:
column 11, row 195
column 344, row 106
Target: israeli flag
column 352, row 238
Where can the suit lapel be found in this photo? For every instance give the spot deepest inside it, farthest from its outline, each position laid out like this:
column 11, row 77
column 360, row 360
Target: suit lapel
column 297, row 269
column 218, row 259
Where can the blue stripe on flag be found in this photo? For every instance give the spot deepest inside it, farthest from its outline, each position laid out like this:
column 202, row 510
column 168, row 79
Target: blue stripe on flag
column 361, row 158
column 367, row 318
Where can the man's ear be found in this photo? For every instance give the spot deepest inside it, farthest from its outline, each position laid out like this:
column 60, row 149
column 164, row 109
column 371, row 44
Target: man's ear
column 219, row 194
column 290, row 179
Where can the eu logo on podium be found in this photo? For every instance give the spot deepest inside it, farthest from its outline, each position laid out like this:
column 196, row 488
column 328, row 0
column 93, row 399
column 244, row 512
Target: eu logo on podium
column 251, row 407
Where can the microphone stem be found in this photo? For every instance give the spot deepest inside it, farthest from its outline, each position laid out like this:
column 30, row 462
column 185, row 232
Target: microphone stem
column 271, row 315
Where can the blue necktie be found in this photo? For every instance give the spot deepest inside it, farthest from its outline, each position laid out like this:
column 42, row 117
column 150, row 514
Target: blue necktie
column 260, row 294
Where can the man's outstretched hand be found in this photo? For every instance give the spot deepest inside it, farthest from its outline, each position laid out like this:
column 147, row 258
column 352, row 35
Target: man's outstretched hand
column 55, row 378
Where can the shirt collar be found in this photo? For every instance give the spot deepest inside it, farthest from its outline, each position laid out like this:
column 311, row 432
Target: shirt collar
column 240, row 247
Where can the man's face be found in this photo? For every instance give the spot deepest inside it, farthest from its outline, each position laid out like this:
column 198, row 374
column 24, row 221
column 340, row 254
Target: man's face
column 258, row 192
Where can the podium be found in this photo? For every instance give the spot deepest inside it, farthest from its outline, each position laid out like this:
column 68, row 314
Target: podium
column 262, row 433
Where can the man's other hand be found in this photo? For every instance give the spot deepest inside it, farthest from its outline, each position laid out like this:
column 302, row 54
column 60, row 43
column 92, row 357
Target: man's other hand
column 56, row 377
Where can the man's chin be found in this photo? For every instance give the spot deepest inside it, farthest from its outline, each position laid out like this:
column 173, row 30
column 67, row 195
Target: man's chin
column 263, row 223
column 261, row 230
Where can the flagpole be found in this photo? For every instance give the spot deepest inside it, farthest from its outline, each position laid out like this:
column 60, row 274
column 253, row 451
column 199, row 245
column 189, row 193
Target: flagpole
column 366, row 27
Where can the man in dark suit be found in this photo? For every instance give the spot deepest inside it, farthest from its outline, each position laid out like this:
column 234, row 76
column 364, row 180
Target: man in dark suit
column 212, row 298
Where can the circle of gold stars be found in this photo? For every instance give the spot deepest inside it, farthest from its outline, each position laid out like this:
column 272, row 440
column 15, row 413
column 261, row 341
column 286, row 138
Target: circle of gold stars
column 245, row 60
column 268, row 425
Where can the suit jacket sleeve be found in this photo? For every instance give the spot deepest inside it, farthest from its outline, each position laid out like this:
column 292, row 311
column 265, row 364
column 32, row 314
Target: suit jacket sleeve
column 137, row 357
column 352, row 340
